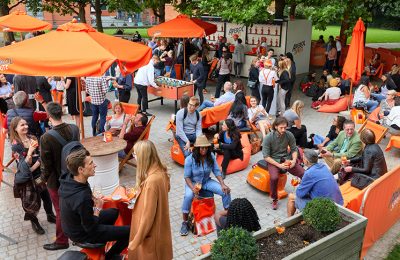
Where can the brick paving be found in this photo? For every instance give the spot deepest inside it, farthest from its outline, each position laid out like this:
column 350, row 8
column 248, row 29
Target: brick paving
column 30, row 244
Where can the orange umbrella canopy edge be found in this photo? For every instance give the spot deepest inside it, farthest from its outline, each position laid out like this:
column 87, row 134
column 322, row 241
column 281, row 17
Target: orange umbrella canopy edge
column 183, row 27
column 74, row 49
column 21, row 22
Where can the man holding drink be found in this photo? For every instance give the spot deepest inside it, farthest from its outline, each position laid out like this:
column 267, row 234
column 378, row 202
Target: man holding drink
column 346, row 146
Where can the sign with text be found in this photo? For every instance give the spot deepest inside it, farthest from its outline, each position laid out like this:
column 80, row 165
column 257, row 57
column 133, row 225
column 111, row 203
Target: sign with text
column 235, row 29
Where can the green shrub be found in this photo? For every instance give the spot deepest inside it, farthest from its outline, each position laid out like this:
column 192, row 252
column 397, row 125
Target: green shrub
column 322, row 214
column 235, row 243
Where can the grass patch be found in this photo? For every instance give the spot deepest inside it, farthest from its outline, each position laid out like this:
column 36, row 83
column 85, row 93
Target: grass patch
column 142, row 31
column 374, row 35
column 395, row 253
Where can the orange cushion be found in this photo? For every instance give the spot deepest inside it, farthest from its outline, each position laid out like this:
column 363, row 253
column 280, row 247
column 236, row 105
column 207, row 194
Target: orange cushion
column 177, row 154
column 237, row 164
column 339, row 106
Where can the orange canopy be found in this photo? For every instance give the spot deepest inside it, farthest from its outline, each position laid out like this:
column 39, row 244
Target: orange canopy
column 183, row 27
column 21, row 22
column 74, row 49
column 354, row 64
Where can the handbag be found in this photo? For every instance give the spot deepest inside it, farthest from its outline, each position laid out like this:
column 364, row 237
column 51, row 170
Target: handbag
column 255, row 142
column 251, row 84
column 360, row 181
column 203, row 210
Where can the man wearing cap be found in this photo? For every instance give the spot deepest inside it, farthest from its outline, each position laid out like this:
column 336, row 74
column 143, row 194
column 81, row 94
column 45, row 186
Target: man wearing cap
column 317, row 182
column 197, row 170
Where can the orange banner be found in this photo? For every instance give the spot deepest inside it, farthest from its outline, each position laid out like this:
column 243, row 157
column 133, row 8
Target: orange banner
column 381, row 206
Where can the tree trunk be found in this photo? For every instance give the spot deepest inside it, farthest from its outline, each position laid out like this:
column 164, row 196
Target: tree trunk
column 160, row 13
column 97, row 8
column 344, row 27
column 5, row 10
column 292, row 13
column 82, row 13
column 279, row 8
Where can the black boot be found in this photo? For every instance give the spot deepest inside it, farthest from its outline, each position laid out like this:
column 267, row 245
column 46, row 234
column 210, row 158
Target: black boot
column 223, row 175
column 51, row 218
column 37, row 227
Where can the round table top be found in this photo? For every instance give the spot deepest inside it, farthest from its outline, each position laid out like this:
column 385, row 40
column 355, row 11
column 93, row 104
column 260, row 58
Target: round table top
column 97, row 147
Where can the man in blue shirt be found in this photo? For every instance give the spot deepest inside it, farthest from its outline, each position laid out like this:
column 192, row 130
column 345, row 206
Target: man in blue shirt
column 225, row 98
column 317, row 182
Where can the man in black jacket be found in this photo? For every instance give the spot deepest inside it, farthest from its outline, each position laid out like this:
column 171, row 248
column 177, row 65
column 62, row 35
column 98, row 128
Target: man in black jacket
column 198, row 76
column 82, row 217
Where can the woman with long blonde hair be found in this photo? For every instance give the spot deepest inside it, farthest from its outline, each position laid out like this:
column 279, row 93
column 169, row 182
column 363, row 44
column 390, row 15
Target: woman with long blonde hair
column 150, row 227
column 284, row 85
column 293, row 116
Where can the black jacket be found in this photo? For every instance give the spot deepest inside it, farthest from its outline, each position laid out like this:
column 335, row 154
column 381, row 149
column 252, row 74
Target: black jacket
column 198, row 73
column 235, row 146
column 253, row 74
column 76, row 207
column 284, row 80
column 372, row 162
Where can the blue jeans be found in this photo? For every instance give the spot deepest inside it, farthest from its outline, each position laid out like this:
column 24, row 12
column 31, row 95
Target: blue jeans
column 378, row 97
column 121, row 154
column 206, row 104
column 102, row 111
column 192, row 139
column 371, row 105
column 209, row 185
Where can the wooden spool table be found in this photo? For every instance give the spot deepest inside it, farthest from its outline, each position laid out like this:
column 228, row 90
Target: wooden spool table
column 105, row 156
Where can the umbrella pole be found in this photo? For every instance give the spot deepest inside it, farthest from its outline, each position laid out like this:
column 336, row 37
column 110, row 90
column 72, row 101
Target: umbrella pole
column 80, row 108
column 351, row 91
column 20, row 35
column 184, row 58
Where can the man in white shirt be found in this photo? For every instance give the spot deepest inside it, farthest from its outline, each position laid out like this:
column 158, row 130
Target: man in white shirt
column 145, row 77
column 338, row 50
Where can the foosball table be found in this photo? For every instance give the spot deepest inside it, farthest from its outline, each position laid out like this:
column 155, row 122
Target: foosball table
column 171, row 89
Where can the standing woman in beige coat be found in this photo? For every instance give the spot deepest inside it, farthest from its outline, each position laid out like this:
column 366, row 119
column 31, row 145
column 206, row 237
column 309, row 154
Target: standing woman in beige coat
column 150, row 236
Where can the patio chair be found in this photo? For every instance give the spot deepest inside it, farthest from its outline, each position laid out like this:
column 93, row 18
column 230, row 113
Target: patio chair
column 379, row 130
column 130, row 109
column 143, row 136
column 393, row 142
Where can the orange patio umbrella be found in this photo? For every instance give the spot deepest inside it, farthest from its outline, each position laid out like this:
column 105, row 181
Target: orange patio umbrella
column 354, row 64
column 74, row 49
column 183, row 27
column 21, row 22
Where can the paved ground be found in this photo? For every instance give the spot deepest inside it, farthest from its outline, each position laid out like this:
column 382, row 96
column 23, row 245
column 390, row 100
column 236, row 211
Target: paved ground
column 30, row 244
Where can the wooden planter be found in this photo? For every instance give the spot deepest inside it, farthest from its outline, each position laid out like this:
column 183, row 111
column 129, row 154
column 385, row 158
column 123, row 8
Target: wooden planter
column 345, row 243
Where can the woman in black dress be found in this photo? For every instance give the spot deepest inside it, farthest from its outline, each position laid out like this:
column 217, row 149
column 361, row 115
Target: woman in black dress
column 72, row 104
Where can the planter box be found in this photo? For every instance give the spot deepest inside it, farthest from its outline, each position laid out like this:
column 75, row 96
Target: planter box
column 345, row 243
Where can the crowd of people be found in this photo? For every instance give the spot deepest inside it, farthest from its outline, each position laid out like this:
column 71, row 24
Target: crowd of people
column 38, row 140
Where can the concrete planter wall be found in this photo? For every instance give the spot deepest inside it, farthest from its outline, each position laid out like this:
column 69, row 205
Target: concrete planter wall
column 345, row 243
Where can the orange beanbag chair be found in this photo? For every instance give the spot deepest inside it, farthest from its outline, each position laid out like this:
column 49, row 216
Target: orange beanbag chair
column 237, row 164
column 340, row 105
column 258, row 177
column 177, row 154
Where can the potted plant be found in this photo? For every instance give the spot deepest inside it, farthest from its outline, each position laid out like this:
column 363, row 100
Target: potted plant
column 235, row 243
column 324, row 230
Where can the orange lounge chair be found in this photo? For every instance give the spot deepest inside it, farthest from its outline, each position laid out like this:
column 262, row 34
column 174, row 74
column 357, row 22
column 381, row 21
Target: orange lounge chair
column 258, row 177
column 378, row 130
column 177, row 154
column 130, row 109
column 393, row 142
column 143, row 136
column 237, row 164
column 357, row 116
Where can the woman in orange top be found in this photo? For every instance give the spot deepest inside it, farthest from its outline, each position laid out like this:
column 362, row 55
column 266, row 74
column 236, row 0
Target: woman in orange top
column 150, row 236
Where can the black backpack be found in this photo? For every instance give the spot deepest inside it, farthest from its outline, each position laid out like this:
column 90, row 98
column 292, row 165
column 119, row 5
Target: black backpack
column 185, row 112
column 67, row 147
